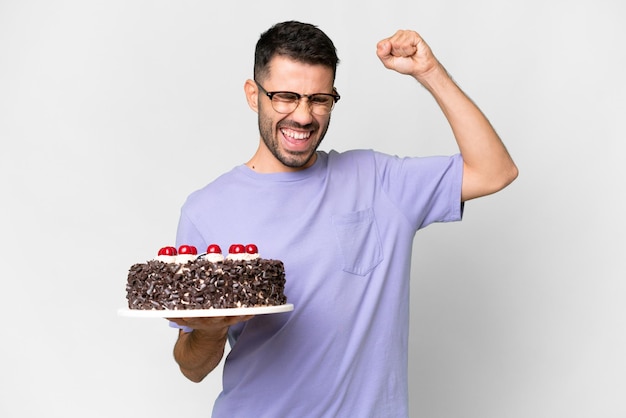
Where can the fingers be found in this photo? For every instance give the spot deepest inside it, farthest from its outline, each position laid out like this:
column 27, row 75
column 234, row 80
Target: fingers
column 211, row 323
column 383, row 49
column 400, row 52
column 407, row 53
column 237, row 319
column 402, row 44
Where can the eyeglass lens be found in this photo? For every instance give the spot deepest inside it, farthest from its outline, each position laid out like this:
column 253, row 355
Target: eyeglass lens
column 285, row 102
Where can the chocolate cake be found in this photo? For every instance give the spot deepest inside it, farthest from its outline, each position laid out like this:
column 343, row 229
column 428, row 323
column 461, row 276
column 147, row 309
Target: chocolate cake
column 185, row 280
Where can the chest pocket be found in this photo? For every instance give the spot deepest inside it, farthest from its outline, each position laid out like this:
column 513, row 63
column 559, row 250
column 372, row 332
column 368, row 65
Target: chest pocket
column 359, row 241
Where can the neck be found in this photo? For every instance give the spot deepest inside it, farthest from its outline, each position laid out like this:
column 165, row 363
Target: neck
column 263, row 161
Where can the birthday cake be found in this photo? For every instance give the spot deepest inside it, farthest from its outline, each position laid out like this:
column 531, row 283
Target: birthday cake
column 183, row 279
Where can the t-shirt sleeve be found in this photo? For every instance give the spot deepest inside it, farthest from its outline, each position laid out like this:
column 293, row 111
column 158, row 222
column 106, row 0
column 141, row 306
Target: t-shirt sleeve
column 184, row 328
column 187, row 233
column 424, row 189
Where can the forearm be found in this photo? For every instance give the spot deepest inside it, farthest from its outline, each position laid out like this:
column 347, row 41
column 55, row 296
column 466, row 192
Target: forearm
column 488, row 166
column 198, row 353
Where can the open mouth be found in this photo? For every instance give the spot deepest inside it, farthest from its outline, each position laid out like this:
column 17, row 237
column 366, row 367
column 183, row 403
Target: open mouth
column 291, row 134
column 296, row 139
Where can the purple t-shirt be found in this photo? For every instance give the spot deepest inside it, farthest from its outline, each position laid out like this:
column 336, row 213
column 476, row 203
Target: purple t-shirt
column 344, row 229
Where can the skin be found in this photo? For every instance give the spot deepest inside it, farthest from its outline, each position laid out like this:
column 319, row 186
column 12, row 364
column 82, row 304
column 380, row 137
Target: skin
column 487, row 167
column 288, row 142
column 199, row 352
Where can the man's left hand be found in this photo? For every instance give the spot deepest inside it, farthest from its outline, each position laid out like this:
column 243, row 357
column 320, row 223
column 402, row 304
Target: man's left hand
column 407, row 53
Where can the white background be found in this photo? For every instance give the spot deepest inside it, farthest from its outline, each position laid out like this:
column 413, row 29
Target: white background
column 112, row 112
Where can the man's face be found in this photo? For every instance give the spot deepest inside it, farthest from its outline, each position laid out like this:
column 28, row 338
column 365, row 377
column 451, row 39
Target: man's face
column 293, row 138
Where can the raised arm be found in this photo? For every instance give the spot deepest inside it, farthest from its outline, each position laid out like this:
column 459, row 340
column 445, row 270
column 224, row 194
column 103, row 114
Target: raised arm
column 200, row 351
column 488, row 167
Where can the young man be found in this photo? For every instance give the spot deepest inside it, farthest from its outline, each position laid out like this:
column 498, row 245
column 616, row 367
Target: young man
column 343, row 223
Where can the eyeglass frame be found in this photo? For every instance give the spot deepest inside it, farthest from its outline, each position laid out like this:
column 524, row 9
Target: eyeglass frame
column 270, row 94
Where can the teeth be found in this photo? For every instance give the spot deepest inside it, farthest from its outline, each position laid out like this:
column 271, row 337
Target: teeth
column 295, row 134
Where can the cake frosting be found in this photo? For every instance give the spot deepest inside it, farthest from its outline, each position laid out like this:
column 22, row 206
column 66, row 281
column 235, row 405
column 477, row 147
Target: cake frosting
column 184, row 279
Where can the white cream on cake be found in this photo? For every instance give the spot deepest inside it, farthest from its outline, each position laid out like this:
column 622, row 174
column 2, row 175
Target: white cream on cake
column 213, row 254
column 239, row 252
column 186, row 253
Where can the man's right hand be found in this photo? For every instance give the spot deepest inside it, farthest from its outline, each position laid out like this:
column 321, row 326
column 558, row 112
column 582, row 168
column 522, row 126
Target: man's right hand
column 217, row 325
column 200, row 351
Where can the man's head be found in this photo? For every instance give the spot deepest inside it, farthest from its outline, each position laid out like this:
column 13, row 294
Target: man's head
column 297, row 41
column 294, row 76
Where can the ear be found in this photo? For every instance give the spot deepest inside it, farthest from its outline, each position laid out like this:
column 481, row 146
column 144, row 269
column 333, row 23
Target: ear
column 252, row 94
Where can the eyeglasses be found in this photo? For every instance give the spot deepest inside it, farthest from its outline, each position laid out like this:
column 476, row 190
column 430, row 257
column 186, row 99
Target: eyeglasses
column 285, row 102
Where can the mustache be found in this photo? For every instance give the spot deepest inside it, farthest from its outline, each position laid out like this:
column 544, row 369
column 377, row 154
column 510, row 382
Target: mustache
column 295, row 125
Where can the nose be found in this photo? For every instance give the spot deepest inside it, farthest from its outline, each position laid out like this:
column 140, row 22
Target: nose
column 302, row 113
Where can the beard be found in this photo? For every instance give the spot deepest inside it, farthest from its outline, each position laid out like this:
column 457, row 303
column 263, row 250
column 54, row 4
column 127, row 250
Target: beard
column 292, row 159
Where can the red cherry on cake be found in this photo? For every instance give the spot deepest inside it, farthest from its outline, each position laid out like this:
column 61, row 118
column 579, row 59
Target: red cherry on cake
column 167, row 251
column 187, row 249
column 252, row 249
column 237, row 249
column 214, row 249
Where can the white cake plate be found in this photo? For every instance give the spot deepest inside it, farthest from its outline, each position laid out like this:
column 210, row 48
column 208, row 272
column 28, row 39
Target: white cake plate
column 204, row 313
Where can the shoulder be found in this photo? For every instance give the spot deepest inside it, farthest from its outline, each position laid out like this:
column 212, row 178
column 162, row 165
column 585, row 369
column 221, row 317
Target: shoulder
column 203, row 196
column 354, row 154
column 363, row 160
column 352, row 158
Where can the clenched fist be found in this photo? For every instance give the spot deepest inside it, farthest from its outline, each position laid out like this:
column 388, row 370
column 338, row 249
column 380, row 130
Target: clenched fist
column 407, row 53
